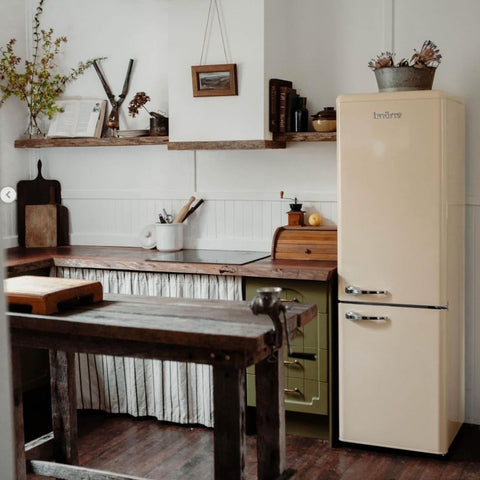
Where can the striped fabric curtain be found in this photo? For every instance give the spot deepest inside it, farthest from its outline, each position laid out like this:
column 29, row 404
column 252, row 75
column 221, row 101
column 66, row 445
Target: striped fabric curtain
column 170, row 391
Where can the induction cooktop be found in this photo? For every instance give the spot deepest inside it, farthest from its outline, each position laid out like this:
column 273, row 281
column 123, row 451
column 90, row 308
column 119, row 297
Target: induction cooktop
column 232, row 257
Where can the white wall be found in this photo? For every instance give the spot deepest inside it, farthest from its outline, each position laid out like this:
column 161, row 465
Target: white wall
column 12, row 169
column 216, row 118
column 13, row 119
column 323, row 46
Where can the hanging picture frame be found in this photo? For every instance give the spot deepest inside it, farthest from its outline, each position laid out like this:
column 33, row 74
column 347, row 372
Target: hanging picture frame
column 214, row 80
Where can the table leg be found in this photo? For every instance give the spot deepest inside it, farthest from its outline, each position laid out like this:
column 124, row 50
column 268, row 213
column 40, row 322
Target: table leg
column 269, row 385
column 229, row 423
column 20, row 461
column 64, row 406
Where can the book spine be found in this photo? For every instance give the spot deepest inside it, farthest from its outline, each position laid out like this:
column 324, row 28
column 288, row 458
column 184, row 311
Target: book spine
column 275, row 85
column 292, row 100
column 282, row 123
column 274, row 112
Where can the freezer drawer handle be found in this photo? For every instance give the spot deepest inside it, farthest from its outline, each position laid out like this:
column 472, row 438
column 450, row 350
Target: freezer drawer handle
column 358, row 316
column 351, row 290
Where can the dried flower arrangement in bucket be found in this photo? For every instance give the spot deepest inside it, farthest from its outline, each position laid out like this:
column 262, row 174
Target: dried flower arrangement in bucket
column 417, row 73
column 37, row 85
column 158, row 122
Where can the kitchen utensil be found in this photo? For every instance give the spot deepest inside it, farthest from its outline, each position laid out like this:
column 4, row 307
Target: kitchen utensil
column 40, row 192
column 167, row 216
column 183, row 211
column 192, row 209
column 268, row 302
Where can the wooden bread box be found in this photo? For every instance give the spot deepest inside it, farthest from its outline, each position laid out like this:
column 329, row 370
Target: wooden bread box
column 305, row 243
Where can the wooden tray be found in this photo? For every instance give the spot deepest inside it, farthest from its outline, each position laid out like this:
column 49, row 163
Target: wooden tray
column 44, row 294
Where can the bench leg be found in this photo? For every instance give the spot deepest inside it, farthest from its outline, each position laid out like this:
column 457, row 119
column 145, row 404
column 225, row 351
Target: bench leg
column 269, row 386
column 229, row 428
column 64, row 406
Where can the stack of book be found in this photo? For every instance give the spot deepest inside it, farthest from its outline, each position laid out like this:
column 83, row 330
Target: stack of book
column 284, row 100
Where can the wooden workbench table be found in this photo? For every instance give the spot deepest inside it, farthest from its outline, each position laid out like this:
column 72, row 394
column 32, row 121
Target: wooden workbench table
column 223, row 334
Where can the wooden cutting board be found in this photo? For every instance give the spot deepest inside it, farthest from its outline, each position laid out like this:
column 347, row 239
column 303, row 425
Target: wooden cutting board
column 44, row 294
column 46, row 225
column 41, row 225
column 40, row 192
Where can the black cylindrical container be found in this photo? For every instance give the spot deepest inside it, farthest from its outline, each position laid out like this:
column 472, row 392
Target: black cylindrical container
column 300, row 116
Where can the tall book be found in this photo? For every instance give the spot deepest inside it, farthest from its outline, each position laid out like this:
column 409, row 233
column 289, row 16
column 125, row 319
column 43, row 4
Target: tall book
column 274, row 103
column 286, row 94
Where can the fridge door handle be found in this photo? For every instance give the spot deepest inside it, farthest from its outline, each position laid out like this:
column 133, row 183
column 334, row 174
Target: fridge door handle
column 351, row 290
column 358, row 316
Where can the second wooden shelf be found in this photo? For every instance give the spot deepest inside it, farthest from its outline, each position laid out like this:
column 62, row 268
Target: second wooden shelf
column 279, row 141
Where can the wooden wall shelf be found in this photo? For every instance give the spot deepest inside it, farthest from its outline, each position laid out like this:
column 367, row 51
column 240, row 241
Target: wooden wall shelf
column 89, row 142
column 227, row 145
column 306, row 136
column 279, row 141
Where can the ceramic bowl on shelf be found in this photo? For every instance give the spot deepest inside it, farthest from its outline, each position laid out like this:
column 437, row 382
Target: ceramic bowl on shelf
column 325, row 120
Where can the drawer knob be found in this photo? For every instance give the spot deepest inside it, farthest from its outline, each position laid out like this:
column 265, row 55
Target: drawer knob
column 308, row 251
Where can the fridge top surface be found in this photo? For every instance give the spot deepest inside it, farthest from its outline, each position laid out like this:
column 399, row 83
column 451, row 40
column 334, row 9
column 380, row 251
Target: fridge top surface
column 404, row 95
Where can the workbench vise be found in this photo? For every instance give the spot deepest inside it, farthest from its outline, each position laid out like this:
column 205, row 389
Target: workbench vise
column 268, row 302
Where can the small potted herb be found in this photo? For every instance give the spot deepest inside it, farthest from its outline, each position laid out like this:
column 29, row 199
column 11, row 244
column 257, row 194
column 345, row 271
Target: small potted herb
column 416, row 73
column 158, row 122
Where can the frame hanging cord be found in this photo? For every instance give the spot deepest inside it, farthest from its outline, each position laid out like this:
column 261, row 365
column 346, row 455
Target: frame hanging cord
column 213, row 3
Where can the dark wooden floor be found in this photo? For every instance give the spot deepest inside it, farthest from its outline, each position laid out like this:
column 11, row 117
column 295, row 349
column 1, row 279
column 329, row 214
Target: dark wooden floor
column 148, row 448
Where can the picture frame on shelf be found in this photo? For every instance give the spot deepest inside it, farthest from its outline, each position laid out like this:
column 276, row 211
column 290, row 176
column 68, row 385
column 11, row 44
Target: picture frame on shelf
column 214, row 80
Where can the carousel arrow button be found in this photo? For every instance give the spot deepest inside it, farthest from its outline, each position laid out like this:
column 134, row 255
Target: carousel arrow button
column 8, row 194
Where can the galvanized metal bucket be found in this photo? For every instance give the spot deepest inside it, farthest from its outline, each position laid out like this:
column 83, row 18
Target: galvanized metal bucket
column 395, row 79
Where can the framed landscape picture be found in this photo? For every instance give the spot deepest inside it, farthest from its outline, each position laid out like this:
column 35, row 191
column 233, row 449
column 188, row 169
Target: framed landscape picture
column 214, row 80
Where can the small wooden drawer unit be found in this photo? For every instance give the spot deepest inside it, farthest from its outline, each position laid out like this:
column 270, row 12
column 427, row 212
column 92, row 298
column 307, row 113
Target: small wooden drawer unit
column 306, row 381
column 305, row 243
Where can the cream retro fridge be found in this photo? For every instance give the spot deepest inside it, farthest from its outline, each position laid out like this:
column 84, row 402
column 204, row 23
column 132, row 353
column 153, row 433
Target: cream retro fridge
column 401, row 269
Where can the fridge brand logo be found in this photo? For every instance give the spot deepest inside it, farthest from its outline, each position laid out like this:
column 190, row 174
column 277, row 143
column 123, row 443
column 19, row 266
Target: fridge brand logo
column 386, row 115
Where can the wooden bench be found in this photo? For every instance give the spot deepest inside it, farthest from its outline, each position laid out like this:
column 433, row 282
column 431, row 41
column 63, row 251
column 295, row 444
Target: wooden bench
column 224, row 334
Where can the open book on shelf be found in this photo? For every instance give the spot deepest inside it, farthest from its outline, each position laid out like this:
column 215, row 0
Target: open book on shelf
column 79, row 118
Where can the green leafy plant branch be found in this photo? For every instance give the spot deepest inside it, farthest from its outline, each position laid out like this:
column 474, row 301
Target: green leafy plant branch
column 37, row 85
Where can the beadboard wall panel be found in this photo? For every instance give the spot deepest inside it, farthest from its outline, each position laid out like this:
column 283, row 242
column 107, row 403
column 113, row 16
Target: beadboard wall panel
column 224, row 224
column 472, row 314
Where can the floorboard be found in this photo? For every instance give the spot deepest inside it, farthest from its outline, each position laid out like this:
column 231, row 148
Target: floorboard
column 155, row 450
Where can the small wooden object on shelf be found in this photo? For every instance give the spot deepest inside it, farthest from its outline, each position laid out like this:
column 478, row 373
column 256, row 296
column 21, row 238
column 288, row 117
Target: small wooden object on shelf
column 296, row 219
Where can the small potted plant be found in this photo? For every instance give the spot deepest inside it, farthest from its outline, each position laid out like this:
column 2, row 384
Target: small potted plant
column 416, row 73
column 38, row 85
column 158, row 122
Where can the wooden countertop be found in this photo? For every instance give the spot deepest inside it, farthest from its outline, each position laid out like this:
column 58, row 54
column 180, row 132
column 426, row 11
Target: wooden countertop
column 23, row 260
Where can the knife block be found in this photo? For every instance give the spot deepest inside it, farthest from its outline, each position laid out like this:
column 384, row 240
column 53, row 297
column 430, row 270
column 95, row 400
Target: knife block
column 46, row 225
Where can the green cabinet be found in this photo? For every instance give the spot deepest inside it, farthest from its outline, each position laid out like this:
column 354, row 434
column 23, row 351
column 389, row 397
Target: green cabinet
column 307, row 382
